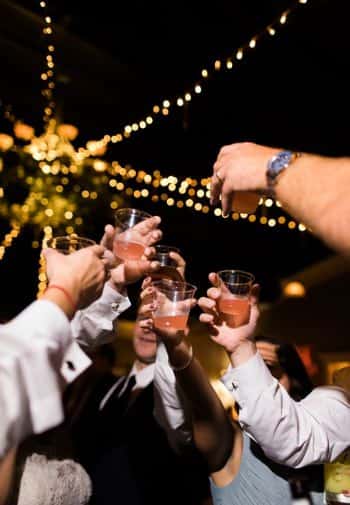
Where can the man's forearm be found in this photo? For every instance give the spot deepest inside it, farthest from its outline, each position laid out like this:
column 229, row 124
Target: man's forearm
column 315, row 190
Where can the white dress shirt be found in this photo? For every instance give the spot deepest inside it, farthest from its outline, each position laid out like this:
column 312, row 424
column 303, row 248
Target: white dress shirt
column 314, row 430
column 38, row 354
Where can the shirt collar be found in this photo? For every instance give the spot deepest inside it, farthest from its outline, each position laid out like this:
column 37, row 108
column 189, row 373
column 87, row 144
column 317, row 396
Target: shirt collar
column 143, row 377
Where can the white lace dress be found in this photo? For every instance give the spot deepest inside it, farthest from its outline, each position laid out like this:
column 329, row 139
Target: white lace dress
column 53, row 482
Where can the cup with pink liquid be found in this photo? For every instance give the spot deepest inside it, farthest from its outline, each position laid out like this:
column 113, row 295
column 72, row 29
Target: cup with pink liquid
column 168, row 266
column 173, row 301
column 129, row 244
column 234, row 303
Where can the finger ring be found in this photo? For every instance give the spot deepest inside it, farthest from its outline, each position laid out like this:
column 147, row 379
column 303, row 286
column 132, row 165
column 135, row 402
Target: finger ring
column 218, row 177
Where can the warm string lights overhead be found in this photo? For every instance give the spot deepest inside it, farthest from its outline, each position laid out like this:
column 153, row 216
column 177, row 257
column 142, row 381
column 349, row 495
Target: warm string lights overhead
column 60, row 181
column 189, row 192
column 48, row 73
column 164, row 107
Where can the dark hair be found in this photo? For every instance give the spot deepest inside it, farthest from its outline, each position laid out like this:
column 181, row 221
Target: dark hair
column 292, row 365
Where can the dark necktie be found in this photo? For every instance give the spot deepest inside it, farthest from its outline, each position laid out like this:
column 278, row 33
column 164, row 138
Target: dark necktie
column 124, row 397
column 119, row 399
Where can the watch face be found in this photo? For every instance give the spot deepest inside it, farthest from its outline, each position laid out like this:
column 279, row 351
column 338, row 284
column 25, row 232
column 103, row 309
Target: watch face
column 280, row 161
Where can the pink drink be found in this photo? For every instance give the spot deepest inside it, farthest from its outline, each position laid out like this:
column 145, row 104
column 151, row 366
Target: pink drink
column 245, row 201
column 234, row 311
column 176, row 322
column 128, row 251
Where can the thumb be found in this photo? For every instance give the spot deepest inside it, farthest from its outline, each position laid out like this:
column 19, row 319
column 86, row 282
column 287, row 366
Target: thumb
column 214, row 279
column 254, row 299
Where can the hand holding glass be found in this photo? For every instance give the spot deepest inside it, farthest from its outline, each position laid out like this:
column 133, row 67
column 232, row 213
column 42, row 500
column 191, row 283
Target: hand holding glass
column 234, row 306
column 128, row 242
column 168, row 266
column 173, row 302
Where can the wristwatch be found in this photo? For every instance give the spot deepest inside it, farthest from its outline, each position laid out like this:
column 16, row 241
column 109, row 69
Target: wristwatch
column 276, row 165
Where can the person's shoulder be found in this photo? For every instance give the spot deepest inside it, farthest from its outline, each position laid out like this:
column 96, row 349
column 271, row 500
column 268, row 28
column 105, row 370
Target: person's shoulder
column 328, row 405
column 330, row 392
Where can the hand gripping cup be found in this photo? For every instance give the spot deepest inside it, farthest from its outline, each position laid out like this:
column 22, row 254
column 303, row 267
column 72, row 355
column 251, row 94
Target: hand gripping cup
column 234, row 304
column 173, row 300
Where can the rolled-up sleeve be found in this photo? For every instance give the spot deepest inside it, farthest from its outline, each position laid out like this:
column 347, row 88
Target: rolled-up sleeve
column 314, row 430
column 94, row 325
column 32, row 350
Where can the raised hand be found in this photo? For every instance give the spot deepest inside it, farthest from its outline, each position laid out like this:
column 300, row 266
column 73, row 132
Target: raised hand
column 82, row 273
column 224, row 335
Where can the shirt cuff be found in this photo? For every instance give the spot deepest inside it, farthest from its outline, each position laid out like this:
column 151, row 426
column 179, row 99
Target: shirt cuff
column 248, row 380
column 75, row 362
column 111, row 296
column 93, row 326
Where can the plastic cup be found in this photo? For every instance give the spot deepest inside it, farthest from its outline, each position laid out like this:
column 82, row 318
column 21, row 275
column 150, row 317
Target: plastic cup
column 168, row 266
column 173, row 300
column 129, row 244
column 234, row 304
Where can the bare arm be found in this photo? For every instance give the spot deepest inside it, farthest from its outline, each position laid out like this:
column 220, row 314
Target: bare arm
column 212, row 430
column 314, row 189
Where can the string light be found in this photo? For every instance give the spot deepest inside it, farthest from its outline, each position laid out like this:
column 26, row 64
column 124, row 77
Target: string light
column 238, row 54
column 42, row 263
column 8, row 239
column 48, row 74
column 134, row 187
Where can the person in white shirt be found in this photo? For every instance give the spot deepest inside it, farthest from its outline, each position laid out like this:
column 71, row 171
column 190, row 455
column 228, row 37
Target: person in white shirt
column 118, row 437
column 314, row 430
column 33, row 348
column 293, row 433
column 36, row 374
column 240, row 473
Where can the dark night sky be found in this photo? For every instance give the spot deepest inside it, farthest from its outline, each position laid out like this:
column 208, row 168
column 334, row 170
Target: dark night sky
column 293, row 91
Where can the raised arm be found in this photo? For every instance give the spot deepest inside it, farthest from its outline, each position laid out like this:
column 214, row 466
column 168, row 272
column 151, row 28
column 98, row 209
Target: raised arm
column 292, row 433
column 94, row 325
column 202, row 410
column 314, row 189
column 33, row 348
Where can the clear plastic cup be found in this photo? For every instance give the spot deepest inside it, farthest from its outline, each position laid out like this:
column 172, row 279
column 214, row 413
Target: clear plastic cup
column 129, row 244
column 168, row 266
column 234, row 303
column 173, row 302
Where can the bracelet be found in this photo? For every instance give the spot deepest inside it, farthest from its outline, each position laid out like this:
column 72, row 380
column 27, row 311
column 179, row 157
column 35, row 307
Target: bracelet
column 186, row 365
column 65, row 292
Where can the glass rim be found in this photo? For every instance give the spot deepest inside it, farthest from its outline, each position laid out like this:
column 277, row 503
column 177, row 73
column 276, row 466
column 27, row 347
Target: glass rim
column 250, row 277
column 69, row 239
column 131, row 210
column 172, row 285
column 171, row 248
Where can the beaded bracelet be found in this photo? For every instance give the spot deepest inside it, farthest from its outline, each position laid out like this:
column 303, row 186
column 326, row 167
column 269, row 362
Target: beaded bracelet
column 186, row 365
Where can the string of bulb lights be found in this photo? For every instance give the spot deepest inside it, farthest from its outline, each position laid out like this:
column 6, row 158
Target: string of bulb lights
column 190, row 192
column 164, row 107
